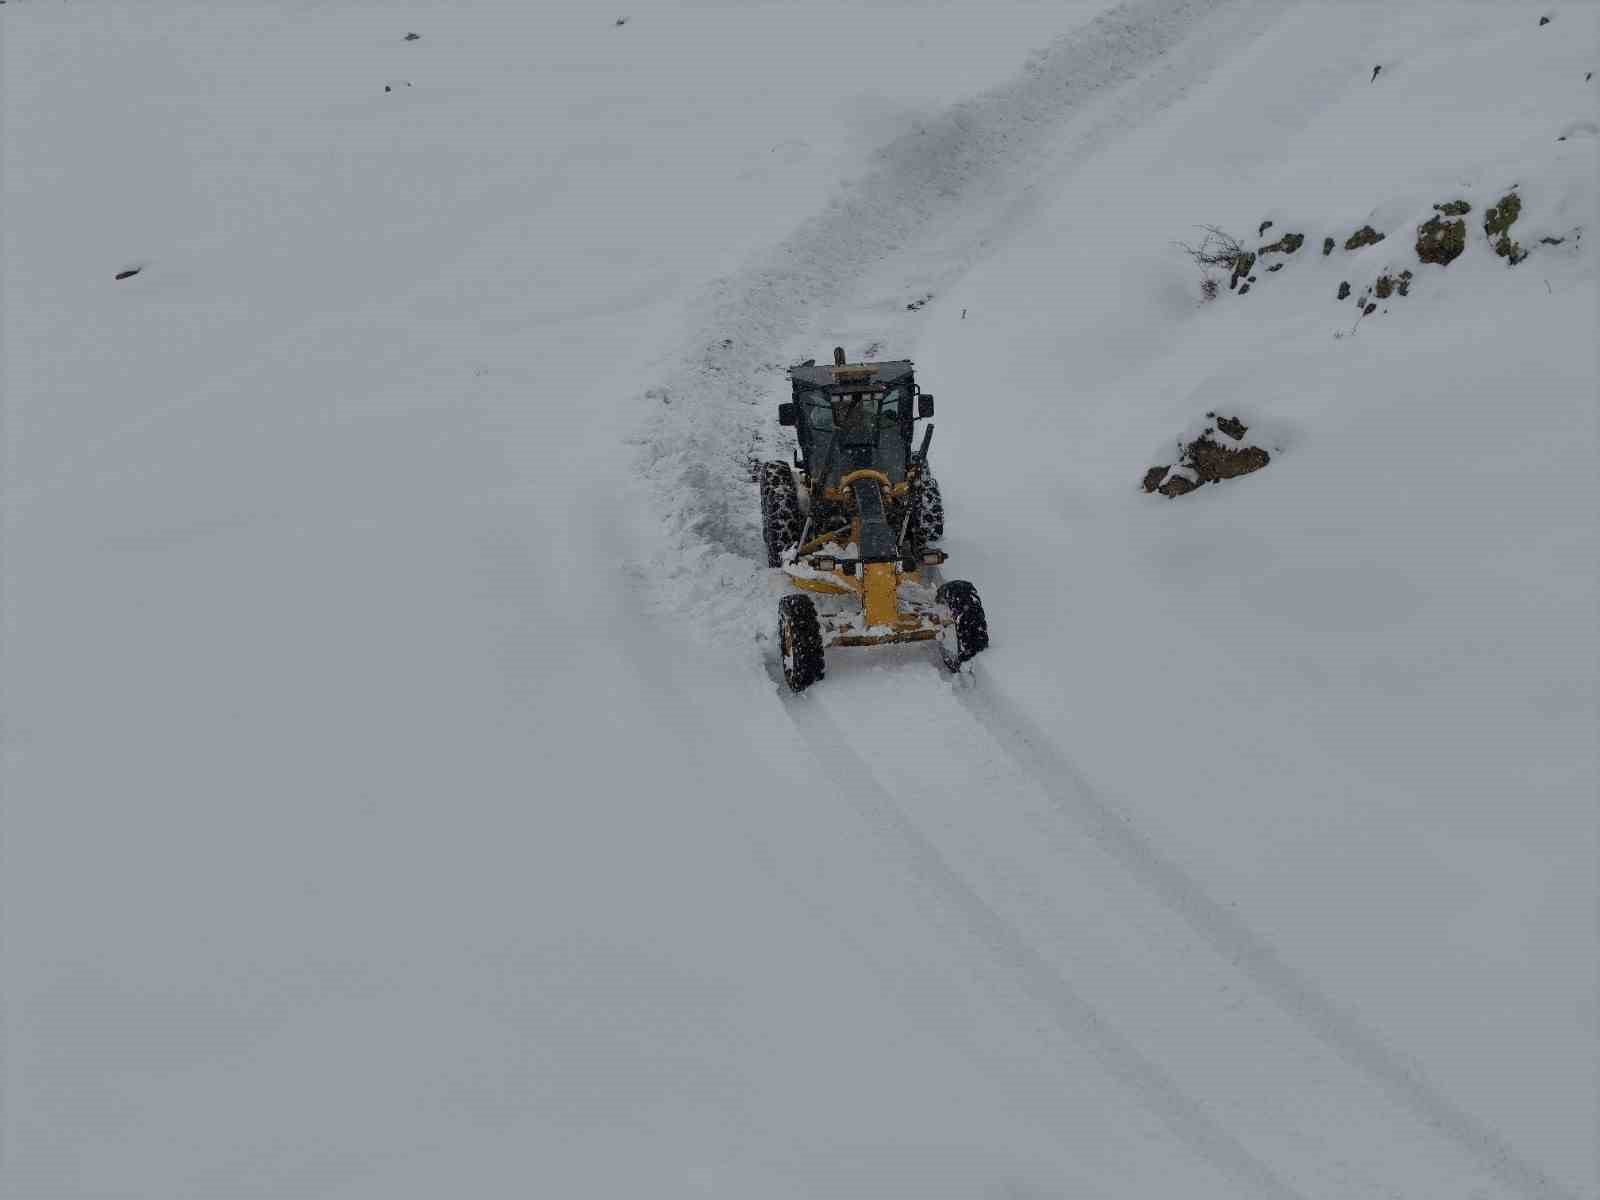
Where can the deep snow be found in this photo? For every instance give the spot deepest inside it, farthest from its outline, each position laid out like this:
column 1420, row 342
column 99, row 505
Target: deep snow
column 398, row 798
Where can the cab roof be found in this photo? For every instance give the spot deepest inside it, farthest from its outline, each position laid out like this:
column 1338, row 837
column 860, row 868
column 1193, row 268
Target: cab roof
column 878, row 374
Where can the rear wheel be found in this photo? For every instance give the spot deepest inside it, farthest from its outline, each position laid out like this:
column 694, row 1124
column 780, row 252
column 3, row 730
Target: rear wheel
column 968, row 632
column 800, row 640
column 780, row 510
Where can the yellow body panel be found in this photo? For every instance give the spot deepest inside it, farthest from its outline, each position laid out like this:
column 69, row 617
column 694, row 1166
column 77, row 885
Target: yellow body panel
column 827, row 587
column 878, row 599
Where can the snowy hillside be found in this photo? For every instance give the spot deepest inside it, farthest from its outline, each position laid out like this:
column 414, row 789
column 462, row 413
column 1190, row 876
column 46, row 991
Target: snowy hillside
column 401, row 797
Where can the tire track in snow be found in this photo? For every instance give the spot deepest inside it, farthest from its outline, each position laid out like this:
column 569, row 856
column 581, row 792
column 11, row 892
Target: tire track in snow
column 1251, row 954
column 767, row 850
column 1075, row 1017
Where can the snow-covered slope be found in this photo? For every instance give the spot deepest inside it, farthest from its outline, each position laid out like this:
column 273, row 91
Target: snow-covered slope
column 398, row 798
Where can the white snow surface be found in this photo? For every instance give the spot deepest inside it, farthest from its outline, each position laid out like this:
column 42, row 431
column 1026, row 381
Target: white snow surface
column 401, row 798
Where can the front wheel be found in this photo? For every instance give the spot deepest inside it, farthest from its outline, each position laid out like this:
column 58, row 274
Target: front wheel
column 930, row 509
column 968, row 631
column 800, row 640
column 780, row 511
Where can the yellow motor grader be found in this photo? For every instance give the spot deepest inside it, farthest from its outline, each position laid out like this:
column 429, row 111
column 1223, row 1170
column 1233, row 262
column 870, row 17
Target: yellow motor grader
column 852, row 521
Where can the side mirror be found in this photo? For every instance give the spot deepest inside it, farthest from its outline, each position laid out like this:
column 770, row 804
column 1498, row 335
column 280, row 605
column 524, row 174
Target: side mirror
column 925, row 404
column 788, row 414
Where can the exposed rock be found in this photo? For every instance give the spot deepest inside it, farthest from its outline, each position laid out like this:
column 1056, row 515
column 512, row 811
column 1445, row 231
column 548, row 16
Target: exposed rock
column 1178, row 485
column 1264, row 226
column 1218, row 453
column 1440, row 241
column 1365, row 236
column 1509, row 250
column 1232, row 426
column 1497, row 223
column 1388, row 285
column 129, row 273
column 413, row 37
column 1503, row 215
column 1551, row 241
column 1344, row 291
column 1327, row 246
column 1287, row 244
column 1453, row 208
column 1369, row 310
column 1375, row 71
column 1244, row 289
column 1275, row 267
column 1212, row 461
column 1543, row 21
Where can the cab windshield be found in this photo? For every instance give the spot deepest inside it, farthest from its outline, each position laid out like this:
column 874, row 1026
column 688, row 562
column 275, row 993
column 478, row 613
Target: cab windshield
column 851, row 428
column 853, row 412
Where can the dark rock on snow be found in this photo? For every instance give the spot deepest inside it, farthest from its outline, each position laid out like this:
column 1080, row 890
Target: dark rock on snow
column 1365, row 236
column 1218, row 453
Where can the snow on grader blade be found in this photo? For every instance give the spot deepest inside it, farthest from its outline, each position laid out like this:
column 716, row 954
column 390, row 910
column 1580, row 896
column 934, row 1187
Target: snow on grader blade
column 851, row 524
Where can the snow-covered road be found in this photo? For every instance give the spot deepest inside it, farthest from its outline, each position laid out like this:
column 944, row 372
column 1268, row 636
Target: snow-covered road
column 399, row 799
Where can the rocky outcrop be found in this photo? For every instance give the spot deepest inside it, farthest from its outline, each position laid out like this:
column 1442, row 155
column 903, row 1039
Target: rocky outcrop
column 1220, row 452
column 1497, row 223
column 1365, row 236
column 1441, row 241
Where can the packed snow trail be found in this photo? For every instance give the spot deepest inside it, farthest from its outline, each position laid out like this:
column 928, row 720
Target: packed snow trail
column 830, row 743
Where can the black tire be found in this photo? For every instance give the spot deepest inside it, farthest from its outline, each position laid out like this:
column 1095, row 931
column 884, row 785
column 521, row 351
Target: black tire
column 930, row 510
column 971, row 626
column 800, row 642
column 781, row 521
